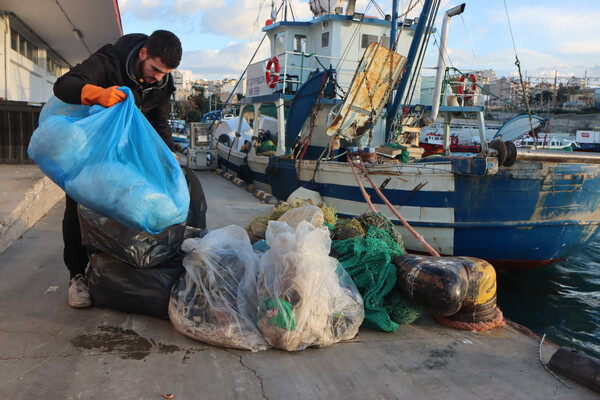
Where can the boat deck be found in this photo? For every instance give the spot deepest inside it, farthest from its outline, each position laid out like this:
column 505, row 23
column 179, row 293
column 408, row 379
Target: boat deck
column 50, row 350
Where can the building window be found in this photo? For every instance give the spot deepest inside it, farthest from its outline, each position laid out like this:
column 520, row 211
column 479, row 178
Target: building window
column 299, row 43
column 14, row 40
column 325, row 39
column 25, row 47
column 52, row 67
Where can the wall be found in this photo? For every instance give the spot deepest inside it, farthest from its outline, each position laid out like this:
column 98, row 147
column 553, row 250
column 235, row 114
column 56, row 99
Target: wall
column 20, row 78
column 570, row 123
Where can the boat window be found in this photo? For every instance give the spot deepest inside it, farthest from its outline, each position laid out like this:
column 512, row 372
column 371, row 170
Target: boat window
column 325, row 39
column 279, row 43
column 299, row 43
column 366, row 39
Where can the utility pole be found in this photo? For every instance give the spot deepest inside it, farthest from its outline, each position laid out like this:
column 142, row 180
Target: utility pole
column 554, row 92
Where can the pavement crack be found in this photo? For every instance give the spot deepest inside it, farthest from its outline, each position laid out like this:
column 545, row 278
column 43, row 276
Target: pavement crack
column 260, row 380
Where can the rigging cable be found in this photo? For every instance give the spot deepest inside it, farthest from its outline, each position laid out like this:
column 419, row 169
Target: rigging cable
column 518, row 64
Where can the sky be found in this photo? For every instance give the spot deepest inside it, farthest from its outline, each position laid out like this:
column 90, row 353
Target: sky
column 219, row 37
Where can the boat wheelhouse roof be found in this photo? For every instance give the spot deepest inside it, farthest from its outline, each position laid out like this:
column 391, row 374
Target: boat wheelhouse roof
column 336, row 17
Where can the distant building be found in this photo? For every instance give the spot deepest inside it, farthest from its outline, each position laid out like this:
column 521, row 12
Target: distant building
column 182, row 80
column 507, row 91
column 580, row 100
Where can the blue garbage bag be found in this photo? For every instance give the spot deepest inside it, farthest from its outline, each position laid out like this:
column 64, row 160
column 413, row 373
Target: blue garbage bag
column 112, row 161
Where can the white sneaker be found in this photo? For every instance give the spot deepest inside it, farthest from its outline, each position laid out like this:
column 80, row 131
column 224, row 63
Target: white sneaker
column 79, row 294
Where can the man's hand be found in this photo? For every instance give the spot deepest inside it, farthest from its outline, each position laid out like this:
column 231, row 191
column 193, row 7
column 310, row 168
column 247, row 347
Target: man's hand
column 92, row 94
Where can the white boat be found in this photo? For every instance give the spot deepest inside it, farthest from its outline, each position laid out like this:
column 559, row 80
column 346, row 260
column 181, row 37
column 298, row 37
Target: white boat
column 517, row 208
column 546, row 142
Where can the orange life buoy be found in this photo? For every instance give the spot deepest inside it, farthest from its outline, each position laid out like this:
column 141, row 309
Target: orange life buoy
column 469, row 94
column 272, row 72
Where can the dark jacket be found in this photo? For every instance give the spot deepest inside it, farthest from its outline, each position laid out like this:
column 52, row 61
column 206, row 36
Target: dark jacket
column 115, row 65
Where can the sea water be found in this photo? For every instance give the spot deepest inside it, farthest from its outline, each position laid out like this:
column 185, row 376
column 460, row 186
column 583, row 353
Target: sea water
column 561, row 300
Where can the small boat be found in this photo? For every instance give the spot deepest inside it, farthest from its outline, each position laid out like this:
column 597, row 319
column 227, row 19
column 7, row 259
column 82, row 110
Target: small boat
column 516, row 208
column 433, row 143
column 547, row 143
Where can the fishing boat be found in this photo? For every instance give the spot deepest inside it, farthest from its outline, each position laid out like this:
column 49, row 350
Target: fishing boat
column 340, row 90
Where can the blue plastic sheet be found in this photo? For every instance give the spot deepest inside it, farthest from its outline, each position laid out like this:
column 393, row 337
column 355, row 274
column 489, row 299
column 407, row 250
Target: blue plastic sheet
column 112, row 161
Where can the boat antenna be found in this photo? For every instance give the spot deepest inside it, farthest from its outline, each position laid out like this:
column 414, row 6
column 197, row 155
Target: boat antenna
column 518, row 64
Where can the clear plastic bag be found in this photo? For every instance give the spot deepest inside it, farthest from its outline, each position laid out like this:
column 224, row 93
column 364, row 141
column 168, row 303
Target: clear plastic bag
column 305, row 297
column 312, row 214
column 112, row 161
column 215, row 300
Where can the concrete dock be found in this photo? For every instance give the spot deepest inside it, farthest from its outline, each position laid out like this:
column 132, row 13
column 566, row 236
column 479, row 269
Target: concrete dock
column 49, row 350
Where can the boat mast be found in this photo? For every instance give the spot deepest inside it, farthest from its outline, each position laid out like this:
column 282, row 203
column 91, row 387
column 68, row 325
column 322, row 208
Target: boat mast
column 394, row 25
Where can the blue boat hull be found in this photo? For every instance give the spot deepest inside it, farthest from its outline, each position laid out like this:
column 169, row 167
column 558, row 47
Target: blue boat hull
column 522, row 217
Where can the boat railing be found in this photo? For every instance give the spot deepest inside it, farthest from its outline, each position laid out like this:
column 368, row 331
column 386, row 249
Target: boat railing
column 296, row 67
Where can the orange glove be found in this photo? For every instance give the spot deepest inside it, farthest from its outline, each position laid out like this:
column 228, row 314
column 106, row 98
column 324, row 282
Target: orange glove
column 92, row 94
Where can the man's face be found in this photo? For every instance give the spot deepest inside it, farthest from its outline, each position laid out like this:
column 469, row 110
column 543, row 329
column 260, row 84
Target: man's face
column 151, row 69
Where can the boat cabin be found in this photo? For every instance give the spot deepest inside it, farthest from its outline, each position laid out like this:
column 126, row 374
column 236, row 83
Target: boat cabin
column 332, row 39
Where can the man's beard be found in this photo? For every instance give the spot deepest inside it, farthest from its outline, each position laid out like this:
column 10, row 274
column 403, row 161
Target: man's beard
column 147, row 79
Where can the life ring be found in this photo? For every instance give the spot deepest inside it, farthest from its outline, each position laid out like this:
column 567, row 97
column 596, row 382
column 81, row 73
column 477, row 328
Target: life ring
column 272, row 72
column 469, row 94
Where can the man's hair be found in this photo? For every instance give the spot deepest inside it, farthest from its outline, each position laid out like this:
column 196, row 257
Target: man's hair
column 166, row 46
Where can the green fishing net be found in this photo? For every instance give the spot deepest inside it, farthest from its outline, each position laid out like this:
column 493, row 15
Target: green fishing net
column 266, row 146
column 368, row 261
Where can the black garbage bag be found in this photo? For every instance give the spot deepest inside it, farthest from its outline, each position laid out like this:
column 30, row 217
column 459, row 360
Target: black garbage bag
column 114, row 284
column 139, row 248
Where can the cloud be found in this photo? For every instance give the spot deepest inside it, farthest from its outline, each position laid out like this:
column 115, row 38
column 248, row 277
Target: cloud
column 192, row 7
column 580, row 47
column 227, row 62
column 158, row 10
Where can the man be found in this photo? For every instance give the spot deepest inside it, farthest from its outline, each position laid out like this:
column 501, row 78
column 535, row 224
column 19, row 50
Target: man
column 142, row 63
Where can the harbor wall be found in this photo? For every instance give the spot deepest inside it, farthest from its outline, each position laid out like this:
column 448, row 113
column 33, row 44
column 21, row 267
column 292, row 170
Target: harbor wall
column 570, row 123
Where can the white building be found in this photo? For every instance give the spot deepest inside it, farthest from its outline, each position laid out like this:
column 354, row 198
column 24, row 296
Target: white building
column 41, row 40
column 183, row 84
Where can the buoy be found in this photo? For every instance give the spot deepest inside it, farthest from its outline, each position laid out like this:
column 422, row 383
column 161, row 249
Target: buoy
column 459, row 291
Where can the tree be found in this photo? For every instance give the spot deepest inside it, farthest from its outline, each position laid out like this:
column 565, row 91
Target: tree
column 178, row 110
column 198, row 99
column 194, row 116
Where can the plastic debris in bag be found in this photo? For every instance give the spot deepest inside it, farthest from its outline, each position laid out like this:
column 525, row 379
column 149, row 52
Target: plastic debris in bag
column 312, row 214
column 112, row 161
column 215, row 300
column 305, row 297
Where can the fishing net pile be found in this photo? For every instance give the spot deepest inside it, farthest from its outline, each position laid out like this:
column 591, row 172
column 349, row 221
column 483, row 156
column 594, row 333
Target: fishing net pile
column 368, row 260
